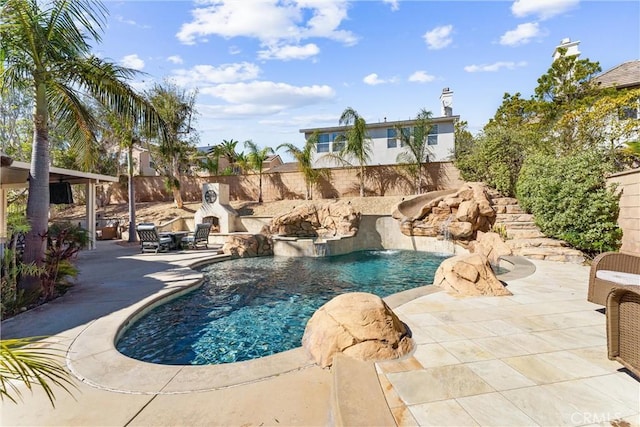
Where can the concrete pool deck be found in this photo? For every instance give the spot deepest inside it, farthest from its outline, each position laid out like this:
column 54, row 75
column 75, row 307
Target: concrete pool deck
column 536, row 358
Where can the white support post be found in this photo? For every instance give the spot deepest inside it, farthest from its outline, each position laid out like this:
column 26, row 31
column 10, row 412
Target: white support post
column 90, row 199
column 3, row 215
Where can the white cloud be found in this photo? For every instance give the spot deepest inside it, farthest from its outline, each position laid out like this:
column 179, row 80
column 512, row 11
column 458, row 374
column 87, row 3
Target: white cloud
column 544, row 9
column 123, row 20
column 234, row 50
column 225, row 73
column 286, row 53
column 439, row 37
column 273, row 23
column 270, row 93
column 373, row 79
column 132, row 61
column 496, row 66
column 421, row 77
column 521, row 35
column 176, row 59
column 395, row 4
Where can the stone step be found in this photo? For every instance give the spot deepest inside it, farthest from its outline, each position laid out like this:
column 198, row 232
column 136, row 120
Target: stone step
column 508, row 209
column 536, row 242
column 518, row 225
column 513, row 217
column 527, row 233
column 560, row 254
column 501, row 201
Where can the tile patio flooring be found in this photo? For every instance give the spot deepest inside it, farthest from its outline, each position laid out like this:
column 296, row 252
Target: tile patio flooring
column 535, row 358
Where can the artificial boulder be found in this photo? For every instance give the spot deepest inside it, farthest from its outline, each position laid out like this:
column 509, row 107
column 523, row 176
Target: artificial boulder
column 460, row 215
column 359, row 325
column 491, row 246
column 469, row 275
column 318, row 220
column 247, row 245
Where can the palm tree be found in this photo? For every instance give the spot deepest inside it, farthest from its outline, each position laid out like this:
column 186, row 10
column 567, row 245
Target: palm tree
column 256, row 158
column 44, row 46
column 127, row 135
column 356, row 143
column 415, row 142
column 227, row 149
column 304, row 157
column 176, row 108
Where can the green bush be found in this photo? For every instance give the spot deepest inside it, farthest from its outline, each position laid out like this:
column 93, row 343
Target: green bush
column 570, row 200
column 495, row 157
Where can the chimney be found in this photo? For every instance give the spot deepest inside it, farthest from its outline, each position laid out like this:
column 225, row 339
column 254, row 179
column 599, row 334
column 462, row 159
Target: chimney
column 446, row 102
column 566, row 43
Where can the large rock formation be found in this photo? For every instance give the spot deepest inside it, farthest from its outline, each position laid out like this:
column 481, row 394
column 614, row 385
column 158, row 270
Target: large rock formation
column 359, row 325
column 491, row 246
column 318, row 220
column 459, row 215
column 247, row 245
column 469, row 275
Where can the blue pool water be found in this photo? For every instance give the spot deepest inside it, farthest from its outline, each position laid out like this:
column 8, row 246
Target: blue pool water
column 250, row 308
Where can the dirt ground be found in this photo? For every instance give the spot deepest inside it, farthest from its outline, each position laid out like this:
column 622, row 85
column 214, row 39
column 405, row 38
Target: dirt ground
column 162, row 212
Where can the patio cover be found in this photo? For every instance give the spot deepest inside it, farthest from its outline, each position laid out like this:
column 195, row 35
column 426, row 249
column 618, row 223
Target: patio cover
column 16, row 176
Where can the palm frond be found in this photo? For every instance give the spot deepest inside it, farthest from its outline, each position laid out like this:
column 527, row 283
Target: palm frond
column 22, row 362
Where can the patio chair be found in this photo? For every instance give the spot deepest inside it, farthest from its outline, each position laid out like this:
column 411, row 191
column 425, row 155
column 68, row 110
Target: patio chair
column 150, row 240
column 623, row 334
column 610, row 270
column 199, row 238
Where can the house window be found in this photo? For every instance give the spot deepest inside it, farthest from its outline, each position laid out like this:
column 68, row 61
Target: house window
column 323, row 143
column 630, row 112
column 336, row 146
column 392, row 140
column 432, row 138
column 406, row 135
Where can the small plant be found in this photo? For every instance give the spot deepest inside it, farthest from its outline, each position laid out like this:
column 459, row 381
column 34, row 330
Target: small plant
column 64, row 241
column 501, row 230
column 12, row 268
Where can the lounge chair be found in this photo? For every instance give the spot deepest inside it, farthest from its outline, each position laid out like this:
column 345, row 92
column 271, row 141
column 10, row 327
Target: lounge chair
column 623, row 334
column 150, row 240
column 610, row 270
column 199, row 238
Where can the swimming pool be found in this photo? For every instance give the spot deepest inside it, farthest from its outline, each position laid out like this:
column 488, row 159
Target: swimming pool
column 253, row 307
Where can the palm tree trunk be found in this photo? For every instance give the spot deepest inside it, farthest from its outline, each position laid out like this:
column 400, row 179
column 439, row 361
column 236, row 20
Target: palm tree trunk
column 38, row 200
column 132, row 196
column 177, row 195
column 362, row 181
column 260, row 187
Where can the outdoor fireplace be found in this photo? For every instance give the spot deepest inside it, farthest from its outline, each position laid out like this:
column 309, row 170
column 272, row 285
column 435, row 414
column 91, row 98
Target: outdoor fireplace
column 215, row 208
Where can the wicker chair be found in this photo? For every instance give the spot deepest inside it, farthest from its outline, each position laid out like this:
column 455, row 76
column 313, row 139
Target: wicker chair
column 623, row 332
column 600, row 287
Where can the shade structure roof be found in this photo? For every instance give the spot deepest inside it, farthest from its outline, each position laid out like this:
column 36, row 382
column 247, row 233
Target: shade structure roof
column 16, row 175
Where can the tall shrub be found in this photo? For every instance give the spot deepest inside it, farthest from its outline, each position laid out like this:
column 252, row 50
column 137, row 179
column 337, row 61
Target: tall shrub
column 570, row 200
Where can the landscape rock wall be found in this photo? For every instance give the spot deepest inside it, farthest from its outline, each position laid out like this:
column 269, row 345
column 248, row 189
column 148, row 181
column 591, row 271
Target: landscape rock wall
column 336, row 219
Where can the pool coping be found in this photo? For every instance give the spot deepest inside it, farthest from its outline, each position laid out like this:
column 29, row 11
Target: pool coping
column 93, row 358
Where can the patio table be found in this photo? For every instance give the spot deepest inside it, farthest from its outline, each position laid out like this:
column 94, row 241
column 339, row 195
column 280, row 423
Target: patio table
column 176, row 238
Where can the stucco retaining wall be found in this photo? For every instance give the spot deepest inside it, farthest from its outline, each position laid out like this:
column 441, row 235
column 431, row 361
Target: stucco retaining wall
column 629, row 218
column 344, row 182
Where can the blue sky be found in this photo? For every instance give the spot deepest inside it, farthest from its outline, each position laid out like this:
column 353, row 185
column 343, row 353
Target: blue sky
column 265, row 69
